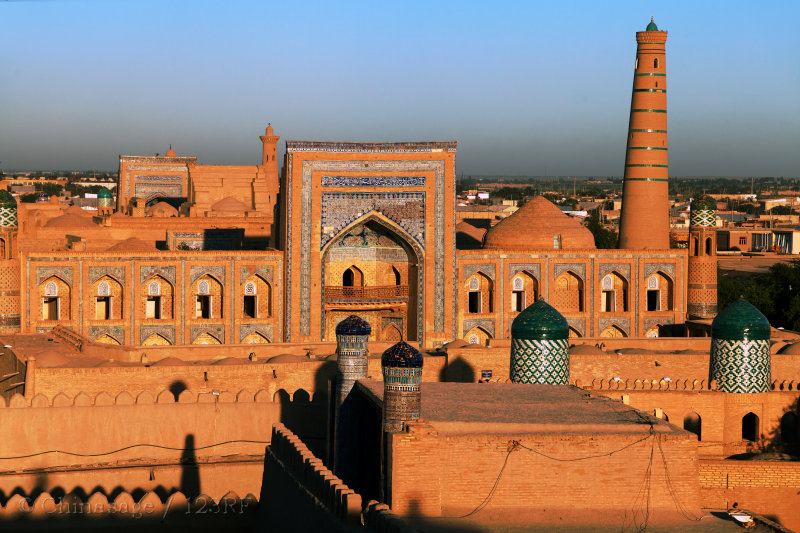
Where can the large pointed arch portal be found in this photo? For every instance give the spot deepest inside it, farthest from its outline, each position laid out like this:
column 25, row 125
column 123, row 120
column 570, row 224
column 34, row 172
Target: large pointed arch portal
column 391, row 264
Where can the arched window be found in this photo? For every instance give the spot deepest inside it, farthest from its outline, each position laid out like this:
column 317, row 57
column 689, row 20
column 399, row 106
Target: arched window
column 479, row 297
column 102, row 304
column 397, row 278
column 250, row 303
column 250, row 288
column 693, row 423
column 519, row 284
column 708, row 246
column 569, row 293
column 473, row 339
column 2, row 249
column 51, row 289
column 556, row 241
column 655, row 63
column 154, row 289
column 659, row 292
column 750, row 428
column 695, row 247
column 474, row 284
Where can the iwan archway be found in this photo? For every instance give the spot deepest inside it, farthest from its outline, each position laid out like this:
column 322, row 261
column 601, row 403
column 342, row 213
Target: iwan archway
column 374, row 269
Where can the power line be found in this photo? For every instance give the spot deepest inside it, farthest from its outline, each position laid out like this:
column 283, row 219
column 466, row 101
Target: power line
column 76, row 454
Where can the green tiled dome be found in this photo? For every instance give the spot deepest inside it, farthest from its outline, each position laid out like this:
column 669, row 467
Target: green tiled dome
column 402, row 355
column 104, row 193
column 740, row 321
column 540, row 321
column 652, row 26
column 6, row 200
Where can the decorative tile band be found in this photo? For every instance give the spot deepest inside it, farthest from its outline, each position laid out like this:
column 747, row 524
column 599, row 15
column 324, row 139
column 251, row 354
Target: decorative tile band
column 741, row 367
column 373, row 181
column 540, row 361
column 65, row 273
column 324, row 146
column 266, row 330
column 215, row 271
column 532, row 268
column 485, row 323
column 216, row 330
column 168, row 332
column 116, row 272
column 166, row 271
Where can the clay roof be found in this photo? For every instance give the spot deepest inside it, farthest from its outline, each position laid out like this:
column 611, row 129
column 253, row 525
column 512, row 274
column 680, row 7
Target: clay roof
column 162, row 209
column 229, row 203
column 132, row 244
column 534, row 226
column 169, row 361
column 791, row 349
column 585, row 349
column 51, row 358
column 468, row 236
column 288, row 358
column 70, row 220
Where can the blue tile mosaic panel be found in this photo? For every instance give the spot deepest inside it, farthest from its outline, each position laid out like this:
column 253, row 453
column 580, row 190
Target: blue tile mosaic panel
column 373, row 181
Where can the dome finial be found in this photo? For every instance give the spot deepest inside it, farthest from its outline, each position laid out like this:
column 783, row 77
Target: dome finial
column 652, row 26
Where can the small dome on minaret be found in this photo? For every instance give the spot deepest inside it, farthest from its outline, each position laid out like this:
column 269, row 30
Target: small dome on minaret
column 270, row 132
column 170, row 152
column 353, row 325
column 652, row 26
column 8, row 209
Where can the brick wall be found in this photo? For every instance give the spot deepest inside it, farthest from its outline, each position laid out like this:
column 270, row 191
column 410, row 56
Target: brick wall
column 469, row 465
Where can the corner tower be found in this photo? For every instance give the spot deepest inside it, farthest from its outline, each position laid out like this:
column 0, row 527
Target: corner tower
column 644, row 221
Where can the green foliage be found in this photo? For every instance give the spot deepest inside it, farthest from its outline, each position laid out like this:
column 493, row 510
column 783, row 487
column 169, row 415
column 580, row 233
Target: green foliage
column 603, row 238
column 51, row 189
column 782, row 210
column 79, row 190
column 29, row 198
column 776, row 294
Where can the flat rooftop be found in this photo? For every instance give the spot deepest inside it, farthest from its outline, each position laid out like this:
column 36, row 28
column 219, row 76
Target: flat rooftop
column 481, row 408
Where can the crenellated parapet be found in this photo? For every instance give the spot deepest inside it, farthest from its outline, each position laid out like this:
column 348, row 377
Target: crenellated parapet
column 123, row 506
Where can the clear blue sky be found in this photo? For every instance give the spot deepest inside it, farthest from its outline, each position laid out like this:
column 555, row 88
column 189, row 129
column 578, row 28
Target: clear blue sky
column 526, row 88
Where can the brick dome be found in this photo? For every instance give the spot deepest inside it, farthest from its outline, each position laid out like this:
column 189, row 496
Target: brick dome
column 402, row 355
column 132, row 244
column 162, row 209
column 229, row 204
column 70, row 220
column 535, row 226
column 353, row 325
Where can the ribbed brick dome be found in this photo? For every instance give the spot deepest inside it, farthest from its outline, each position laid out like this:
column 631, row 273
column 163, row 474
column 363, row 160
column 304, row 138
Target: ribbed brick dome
column 535, row 227
column 70, row 220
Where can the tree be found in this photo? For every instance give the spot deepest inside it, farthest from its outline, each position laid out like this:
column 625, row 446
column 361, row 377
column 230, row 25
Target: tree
column 29, row 198
column 776, row 294
column 603, row 238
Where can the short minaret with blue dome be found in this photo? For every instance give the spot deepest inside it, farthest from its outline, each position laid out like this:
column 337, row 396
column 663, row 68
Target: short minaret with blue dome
column 352, row 335
column 740, row 358
column 9, row 265
column 402, row 375
column 540, row 346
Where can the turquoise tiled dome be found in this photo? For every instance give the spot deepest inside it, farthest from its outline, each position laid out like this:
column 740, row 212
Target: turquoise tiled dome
column 8, row 210
column 104, row 193
column 652, row 26
column 704, row 202
column 740, row 321
column 540, row 321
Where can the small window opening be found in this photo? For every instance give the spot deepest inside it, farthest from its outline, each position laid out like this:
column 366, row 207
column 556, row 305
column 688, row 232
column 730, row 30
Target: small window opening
column 348, row 278
column 50, row 309
column 250, row 308
column 653, row 300
column 655, row 63
column 517, row 301
column 203, row 306
column 153, row 307
column 708, row 246
column 474, row 304
column 103, row 308
column 608, row 302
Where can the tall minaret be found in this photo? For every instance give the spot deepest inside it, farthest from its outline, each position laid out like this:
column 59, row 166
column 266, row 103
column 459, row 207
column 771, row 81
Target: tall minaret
column 644, row 221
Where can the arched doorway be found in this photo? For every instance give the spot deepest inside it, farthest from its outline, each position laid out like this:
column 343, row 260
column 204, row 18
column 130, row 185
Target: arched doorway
column 750, row 429
column 693, row 423
column 370, row 268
